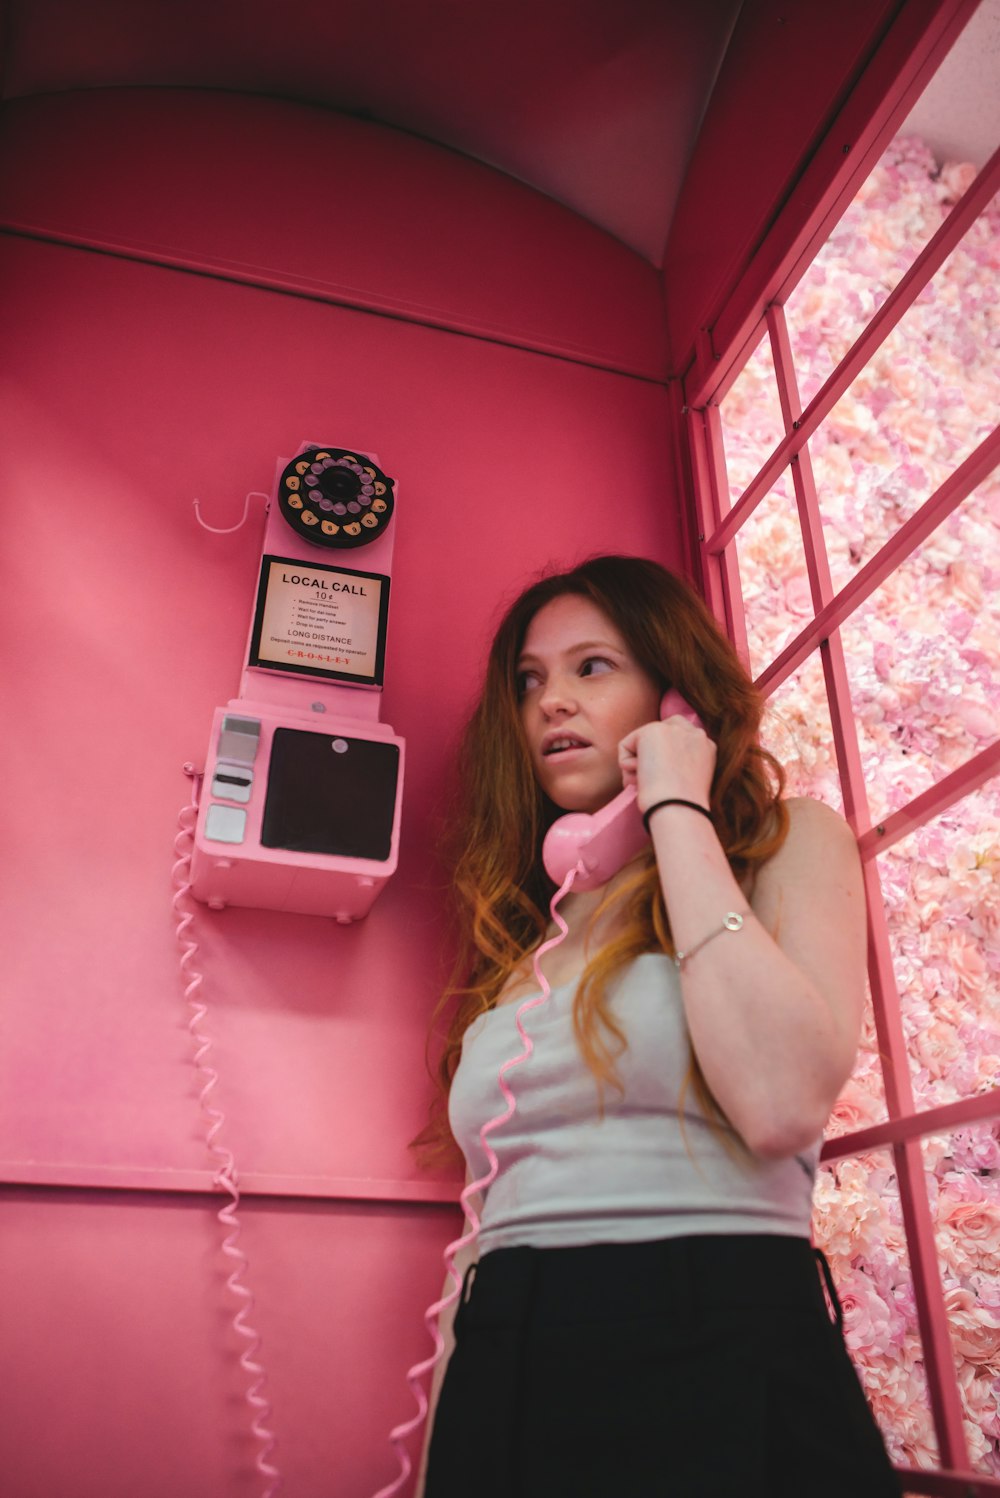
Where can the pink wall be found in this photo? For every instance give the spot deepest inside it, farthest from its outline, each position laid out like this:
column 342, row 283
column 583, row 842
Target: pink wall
column 129, row 387
column 278, row 194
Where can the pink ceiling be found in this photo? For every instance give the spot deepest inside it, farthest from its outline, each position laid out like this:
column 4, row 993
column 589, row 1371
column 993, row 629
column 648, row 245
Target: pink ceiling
column 597, row 104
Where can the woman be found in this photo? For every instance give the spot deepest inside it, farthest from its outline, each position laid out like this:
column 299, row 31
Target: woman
column 643, row 1312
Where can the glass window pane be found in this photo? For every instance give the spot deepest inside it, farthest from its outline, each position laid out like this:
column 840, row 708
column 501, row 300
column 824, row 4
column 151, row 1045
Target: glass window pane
column 861, row 1104
column 857, row 1222
column 923, row 656
column 964, row 1186
column 751, row 419
column 928, row 397
column 896, row 212
column 941, row 887
column 772, row 566
column 796, row 728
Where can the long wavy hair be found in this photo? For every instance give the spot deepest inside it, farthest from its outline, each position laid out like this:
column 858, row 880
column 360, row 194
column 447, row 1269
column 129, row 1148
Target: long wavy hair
column 500, row 816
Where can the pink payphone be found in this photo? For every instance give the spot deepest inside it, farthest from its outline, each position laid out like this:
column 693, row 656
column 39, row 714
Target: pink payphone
column 300, row 800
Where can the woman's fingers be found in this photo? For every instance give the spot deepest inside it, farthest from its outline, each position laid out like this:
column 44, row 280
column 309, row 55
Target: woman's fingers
column 671, row 757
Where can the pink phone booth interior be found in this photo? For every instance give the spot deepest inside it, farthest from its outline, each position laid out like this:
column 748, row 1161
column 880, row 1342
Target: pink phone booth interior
column 484, row 243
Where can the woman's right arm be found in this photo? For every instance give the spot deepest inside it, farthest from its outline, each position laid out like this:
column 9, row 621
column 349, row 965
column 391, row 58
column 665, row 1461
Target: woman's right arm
column 463, row 1258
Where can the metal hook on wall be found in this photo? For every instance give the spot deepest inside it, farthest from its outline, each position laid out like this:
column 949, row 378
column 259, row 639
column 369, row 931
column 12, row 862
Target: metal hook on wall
column 228, row 530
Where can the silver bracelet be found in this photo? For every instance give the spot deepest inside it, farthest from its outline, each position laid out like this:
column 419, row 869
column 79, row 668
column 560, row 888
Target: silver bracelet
column 732, row 922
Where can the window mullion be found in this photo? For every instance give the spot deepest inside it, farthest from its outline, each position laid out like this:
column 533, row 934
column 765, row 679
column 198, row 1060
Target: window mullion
column 932, row 1314
column 838, row 692
column 944, row 1119
column 932, row 802
column 918, row 1225
column 726, row 589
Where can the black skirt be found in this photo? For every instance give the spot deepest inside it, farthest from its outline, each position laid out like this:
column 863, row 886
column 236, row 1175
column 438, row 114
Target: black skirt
column 700, row 1367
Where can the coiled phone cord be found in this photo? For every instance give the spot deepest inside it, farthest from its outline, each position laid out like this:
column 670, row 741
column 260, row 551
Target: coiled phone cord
column 399, row 1432
column 225, row 1177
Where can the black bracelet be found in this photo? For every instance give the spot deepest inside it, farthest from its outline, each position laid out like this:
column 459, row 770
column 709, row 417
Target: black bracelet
column 673, row 801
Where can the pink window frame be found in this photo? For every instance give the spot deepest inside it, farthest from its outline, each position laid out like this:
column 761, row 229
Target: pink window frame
column 710, row 377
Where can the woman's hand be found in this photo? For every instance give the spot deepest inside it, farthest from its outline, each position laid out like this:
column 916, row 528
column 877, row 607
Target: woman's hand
column 667, row 759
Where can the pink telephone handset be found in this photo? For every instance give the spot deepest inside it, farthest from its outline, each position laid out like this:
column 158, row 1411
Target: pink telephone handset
column 597, row 844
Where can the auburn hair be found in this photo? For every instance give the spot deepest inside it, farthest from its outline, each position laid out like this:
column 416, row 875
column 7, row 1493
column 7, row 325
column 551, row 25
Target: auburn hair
column 500, row 816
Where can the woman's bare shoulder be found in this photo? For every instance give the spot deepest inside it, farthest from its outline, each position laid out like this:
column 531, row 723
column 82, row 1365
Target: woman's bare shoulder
column 807, row 815
column 816, row 834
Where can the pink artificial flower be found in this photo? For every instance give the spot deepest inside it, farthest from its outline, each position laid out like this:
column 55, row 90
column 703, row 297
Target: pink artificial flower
column 897, row 1391
column 957, row 177
column 987, row 1073
column 965, row 582
column 845, row 1211
column 966, row 960
column 968, row 1236
column 937, row 1047
column 978, row 1148
column 798, row 596
column 979, row 718
column 975, row 1333
column 869, row 1322
column 988, row 1291
column 981, row 1399
column 856, row 1108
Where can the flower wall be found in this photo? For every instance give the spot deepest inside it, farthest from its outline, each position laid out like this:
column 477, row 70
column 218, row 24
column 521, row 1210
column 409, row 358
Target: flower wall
column 923, row 661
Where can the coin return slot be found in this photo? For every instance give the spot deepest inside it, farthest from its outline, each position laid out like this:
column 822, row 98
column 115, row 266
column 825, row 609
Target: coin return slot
column 225, row 824
column 231, row 783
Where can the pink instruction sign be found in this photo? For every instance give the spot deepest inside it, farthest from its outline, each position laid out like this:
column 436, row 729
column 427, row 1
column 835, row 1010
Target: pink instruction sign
column 315, row 620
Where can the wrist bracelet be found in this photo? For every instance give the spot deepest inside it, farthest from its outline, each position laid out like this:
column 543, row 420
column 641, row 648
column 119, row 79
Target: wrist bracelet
column 732, row 922
column 673, row 801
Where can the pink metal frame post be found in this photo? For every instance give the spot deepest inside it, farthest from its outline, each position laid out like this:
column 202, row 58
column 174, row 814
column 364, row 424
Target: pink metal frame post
column 718, row 525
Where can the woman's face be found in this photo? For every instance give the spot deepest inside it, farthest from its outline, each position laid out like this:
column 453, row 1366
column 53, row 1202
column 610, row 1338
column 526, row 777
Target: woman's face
column 581, row 691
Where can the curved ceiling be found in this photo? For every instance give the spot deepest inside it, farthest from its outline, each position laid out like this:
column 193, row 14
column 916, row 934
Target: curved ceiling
column 595, row 104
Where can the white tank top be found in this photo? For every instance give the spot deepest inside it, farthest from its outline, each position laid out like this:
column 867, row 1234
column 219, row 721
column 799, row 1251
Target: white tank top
column 567, row 1177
